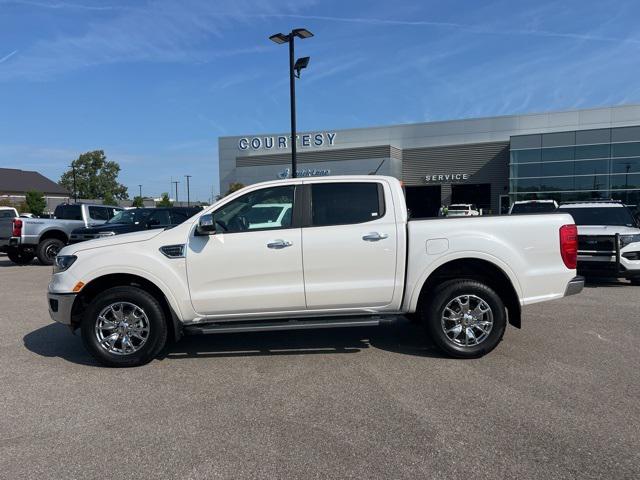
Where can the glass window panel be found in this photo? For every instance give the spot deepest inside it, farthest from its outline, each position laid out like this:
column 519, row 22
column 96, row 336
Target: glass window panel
column 592, row 167
column 630, row 165
column 242, row 213
column 527, row 185
column 526, row 170
column 591, row 182
column 628, row 197
column 344, row 203
column 560, row 153
column 524, row 156
column 593, row 151
column 625, row 150
column 625, row 181
column 581, row 196
column 554, row 169
column 539, row 196
column 556, row 183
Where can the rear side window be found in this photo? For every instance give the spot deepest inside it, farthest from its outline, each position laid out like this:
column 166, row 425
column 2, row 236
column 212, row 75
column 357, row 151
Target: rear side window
column 99, row 213
column 345, row 203
column 68, row 212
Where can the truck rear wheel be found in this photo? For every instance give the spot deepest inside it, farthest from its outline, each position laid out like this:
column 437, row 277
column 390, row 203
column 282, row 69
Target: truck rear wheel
column 48, row 249
column 124, row 327
column 20, row 256
column 465, row 318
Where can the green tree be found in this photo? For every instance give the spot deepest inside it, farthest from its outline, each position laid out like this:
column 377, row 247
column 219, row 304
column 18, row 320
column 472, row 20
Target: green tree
column 35, row 202
column 137, row 202
column 233, row 187
column 95, row 177
column 108, row 199
column 164, row 201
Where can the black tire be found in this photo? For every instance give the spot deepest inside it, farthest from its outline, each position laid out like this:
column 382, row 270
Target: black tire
column 155, row 339
column 19, row 256
column 48, row 249
column 635, row 281
column 432, row 312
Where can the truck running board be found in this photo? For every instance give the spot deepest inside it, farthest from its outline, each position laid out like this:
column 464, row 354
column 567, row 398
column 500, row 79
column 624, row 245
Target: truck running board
column 265, row 326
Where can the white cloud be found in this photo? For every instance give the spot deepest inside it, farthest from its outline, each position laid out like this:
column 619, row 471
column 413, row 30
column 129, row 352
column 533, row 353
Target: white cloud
column 159, row 31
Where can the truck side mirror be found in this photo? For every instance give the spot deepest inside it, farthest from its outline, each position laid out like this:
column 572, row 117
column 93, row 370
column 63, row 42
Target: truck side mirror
column 206, row 225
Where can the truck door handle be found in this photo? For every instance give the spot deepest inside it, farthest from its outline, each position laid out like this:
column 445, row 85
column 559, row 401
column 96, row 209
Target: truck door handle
column 374, row 237
column 279, row 244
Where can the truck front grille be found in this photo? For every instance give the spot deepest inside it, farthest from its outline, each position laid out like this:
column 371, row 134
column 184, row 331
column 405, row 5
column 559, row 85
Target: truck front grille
column 596, row 244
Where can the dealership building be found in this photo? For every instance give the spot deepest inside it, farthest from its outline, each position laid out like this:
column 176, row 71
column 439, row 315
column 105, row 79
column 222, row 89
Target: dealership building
column 490, row 162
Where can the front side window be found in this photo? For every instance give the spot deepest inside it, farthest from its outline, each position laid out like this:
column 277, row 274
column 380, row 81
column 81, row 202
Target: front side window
column 345, row 203
column 159, row 218
column 131, row 217
column 269, row 208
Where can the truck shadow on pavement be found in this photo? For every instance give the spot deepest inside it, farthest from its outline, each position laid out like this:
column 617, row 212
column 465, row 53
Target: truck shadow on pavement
column 402, row 337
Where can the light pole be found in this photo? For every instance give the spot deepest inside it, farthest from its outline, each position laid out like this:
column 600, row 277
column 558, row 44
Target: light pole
column 188, row 198
column 140, row 188
column 75, row 192
column 294, row 72
column 175, row 182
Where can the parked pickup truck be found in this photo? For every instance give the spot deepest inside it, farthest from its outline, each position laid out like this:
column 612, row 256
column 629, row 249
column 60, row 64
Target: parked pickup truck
column 7, row 215
column 44, row 237
column 347, row 256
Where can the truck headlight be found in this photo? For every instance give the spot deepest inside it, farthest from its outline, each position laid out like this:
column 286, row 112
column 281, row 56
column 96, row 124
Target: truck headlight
column 63, row 262
column 628, row 240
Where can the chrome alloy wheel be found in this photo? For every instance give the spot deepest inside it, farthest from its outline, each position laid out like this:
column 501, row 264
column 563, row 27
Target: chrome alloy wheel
column 467, row 320
column 122, row 328
column 51, row 251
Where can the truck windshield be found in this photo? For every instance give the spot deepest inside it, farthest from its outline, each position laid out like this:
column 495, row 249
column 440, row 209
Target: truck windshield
column 601, row 216
column 130, row 217
column 538, row 207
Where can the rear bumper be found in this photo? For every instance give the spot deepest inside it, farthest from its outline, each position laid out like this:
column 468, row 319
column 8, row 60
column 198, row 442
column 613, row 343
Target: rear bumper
column 575, row 286
column 60, row 305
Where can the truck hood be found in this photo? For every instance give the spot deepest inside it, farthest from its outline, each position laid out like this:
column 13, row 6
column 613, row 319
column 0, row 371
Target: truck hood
column 111, row 241
column 607, row 230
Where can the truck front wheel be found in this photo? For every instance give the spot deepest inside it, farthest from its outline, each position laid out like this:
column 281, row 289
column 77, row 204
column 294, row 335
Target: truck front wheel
column 465, row 318
column 124, row 327
column 48, row 249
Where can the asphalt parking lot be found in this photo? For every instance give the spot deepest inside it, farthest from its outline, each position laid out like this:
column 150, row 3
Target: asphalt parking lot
column 557, row 399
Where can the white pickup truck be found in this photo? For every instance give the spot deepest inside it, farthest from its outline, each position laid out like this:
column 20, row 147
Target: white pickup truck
column 347, row 256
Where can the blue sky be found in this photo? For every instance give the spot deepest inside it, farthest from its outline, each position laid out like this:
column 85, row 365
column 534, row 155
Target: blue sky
column 155, row 83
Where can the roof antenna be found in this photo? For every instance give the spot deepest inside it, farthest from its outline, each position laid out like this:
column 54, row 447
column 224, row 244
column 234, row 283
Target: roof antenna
column 375, row 172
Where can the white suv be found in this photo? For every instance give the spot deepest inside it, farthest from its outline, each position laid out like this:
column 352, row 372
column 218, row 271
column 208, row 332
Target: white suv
column 462, row 210
column 533, row 206
column 608, row 239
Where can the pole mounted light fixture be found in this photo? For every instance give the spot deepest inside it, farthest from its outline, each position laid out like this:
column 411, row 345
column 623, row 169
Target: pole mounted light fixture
column 294, row 72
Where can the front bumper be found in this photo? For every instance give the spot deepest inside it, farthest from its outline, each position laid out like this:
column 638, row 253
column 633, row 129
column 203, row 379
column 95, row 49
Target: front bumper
column 575, row 286
column 60, row 305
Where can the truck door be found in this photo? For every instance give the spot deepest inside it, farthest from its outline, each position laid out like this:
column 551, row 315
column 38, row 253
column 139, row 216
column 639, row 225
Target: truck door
column 350, row 246
column 253, row 263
